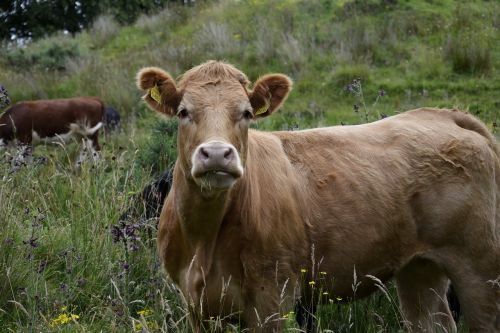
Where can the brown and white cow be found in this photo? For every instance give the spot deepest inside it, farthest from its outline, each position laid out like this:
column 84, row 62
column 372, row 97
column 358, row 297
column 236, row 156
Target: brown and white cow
column 414, row 196
column 55, row 120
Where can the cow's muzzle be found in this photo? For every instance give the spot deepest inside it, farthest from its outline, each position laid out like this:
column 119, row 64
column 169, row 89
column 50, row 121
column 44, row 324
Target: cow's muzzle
column 216, row 165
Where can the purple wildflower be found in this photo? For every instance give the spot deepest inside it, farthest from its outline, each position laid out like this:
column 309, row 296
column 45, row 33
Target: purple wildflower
column 125, row 266
column 81, row 282
column 31, row 242
column 8, row 241
column 41, row 266
column 117, row 233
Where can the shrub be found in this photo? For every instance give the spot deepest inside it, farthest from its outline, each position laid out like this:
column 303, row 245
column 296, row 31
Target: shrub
column 344, row 75
column 292, row 52
column 265, row 43
column 468, row 52
column 215, row 39
column 103, row 29
column 48, row 54
column 160, row 152
column 468, row 45
column 162, row 20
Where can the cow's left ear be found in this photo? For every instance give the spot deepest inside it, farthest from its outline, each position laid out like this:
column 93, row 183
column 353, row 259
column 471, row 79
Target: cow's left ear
column 269, row 93
column 162, row 93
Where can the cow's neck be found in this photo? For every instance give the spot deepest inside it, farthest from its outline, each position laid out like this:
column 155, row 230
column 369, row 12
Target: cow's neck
column 201, row 215
column 200, row 218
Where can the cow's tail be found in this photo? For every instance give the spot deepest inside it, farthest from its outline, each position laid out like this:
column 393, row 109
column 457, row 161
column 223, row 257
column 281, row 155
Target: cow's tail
column 93, row 130
column 84, row 130
column 471, row 123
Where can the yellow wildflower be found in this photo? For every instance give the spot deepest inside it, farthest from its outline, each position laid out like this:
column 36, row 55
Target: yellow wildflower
column 150, row 325
column 339, row 298
column 144, row 312
column 312, row 283
column 322, row 273
column 303, row 270
column 325, row 293
column 63, row 319
column 153, row 325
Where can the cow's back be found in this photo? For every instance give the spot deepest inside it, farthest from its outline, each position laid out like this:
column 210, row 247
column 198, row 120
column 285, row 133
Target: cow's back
column 386, row 190
column 50, row 117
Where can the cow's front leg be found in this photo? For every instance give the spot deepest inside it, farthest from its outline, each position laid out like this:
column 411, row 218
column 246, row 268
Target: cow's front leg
column 262, row 316
column 87, row 151
column 268, row 305
column 196, row 321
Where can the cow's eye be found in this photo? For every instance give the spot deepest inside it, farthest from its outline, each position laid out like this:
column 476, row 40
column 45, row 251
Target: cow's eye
column 247, row 114
column 182, row 113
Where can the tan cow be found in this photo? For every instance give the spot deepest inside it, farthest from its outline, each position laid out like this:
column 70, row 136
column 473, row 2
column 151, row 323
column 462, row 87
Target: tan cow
column 414, row 196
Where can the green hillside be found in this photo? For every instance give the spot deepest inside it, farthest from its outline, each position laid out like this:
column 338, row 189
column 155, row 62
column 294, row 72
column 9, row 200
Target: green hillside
column 61, row 269
column 433, row 53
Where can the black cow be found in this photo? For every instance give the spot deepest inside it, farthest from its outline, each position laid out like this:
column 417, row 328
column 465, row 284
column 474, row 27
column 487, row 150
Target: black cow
column 142, row 217
column 148, row 205
column 111, row 118
column 154, row 195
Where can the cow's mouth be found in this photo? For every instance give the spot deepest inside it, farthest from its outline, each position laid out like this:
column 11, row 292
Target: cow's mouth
column 216, row 179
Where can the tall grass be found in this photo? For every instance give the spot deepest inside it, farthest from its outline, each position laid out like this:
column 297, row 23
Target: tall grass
column 469, row 44
column 103, row 30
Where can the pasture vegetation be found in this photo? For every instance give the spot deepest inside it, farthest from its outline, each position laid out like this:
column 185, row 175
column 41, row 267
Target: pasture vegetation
column 67, row 265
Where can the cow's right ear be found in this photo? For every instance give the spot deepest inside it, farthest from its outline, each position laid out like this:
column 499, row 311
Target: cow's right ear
column 162, row 93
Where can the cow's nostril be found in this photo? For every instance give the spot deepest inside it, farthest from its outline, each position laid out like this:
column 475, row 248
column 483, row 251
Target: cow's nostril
column 228, row 153
column 204, row 153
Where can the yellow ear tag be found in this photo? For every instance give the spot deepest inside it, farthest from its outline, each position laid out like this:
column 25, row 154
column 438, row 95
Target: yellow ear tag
column 155, row 94
column 263, row 109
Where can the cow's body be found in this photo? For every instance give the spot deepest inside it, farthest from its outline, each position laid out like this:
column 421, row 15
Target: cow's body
column 415, row 196
column 53, row 121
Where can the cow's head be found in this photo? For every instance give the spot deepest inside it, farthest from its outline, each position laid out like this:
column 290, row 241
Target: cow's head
column 215, row 108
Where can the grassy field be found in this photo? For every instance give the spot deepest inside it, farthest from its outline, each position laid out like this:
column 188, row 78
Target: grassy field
column 62, row 265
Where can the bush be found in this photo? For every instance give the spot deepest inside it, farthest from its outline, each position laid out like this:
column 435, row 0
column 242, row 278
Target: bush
column 468, row 52
column 215, row 40
column 47, row 54
column 292, row 52
column 346, row 74
column 160, row 152
column 103, row 29
column 468, row 45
